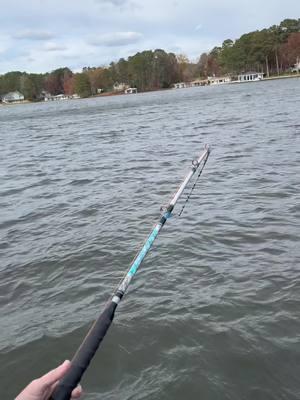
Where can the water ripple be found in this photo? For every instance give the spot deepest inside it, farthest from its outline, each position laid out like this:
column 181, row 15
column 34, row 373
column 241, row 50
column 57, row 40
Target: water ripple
column 213, row 313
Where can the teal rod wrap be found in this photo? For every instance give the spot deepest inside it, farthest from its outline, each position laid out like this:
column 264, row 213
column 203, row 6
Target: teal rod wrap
column 97, row 332
column 137, row 262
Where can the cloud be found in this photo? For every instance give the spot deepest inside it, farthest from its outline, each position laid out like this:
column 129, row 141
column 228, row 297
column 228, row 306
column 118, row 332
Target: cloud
column 116, row 39
column 113, row 2
column 4, row 43
column 83, row 34
column 33, row 35
column 122, row 5
column 51, row 46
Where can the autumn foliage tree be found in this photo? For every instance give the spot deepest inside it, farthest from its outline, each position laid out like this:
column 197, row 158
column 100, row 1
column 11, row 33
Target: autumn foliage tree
column 272, row 50
column 68, row 85
column 290, row 51
column 55, row 81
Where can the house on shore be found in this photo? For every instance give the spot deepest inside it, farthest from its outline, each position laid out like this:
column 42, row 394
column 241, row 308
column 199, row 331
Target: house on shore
column 120, row 87
column 296, row 67
column 195, row 83
column 130, row 90
column 199, row 82
column 59, row 97
column 13, row 97
column 181, row 85
column 218, row 80
column 250, row 77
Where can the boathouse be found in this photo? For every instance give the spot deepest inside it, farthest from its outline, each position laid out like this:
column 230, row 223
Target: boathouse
column 251, row 76
column 180, row 85
column 215, row 80
column 199, row 82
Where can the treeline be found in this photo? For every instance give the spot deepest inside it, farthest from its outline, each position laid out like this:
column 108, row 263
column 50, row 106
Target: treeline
column 272, row 51
column 148, row 70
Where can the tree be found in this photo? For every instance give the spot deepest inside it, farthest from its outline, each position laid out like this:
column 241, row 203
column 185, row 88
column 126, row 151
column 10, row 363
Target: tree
column 290, row 51
column 183, row 63
column 201, row 67
column 68, row 85
column 27, row 87
column 122, row 71
column 54, row 83
column 10, row 82
column 82, row 85
column 213, row 62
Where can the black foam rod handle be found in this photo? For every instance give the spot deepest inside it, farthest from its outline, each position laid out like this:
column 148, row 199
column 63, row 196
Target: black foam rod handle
column 84, row 354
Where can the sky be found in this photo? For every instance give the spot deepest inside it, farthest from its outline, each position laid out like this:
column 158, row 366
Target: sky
column 42, row 35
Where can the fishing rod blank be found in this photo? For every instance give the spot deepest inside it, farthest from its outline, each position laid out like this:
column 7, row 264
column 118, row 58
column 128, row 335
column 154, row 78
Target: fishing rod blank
column 90, row 344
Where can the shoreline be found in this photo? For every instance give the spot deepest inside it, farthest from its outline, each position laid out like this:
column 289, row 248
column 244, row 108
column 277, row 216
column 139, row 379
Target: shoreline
column 111, row 94
column 272, row 78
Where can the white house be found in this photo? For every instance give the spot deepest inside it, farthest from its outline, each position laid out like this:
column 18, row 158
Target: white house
column 130, row 90
column 296, row 67
column 120, row 86
column 59, row 97
column 199, row 82
column 180, row 85
column 13, row 97
column 215, row 80
column 250, row 77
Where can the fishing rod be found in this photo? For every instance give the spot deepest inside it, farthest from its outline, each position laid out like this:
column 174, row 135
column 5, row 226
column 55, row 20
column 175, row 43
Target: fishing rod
column 93, row 339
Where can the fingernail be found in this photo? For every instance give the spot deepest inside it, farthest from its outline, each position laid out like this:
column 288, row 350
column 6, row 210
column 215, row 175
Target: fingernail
column 66, row 362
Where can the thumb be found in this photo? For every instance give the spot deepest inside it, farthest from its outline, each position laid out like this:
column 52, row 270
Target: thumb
column 52, row 376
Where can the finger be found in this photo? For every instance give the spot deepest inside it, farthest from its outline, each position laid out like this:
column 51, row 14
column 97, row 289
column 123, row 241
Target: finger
column 77, row 392
column 51, row 377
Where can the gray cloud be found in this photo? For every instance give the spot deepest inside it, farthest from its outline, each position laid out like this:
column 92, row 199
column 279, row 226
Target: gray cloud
column 81, row 32
column 54, row 47
column 33, row 35
column 116, row 39
column 122, row 5
column 113, row 2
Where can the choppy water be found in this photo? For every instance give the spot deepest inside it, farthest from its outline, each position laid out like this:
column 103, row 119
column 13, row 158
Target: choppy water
column 214, row 311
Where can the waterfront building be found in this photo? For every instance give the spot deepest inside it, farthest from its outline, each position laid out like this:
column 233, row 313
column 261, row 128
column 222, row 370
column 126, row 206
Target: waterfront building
column 120, row 87
column 199, row 82
column 180, row 85
column 130, row 90
column 59, row 97
column 215, row 80
column 296, row 67
column 250, row 76
column 13, row 97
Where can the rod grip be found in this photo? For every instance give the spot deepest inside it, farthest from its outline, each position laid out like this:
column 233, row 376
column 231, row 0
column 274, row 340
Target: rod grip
column 84, row 354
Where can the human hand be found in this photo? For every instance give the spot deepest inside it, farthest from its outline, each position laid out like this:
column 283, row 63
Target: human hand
column 42, row 388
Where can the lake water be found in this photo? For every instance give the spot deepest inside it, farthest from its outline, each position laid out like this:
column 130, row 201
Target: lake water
column 213, row 313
